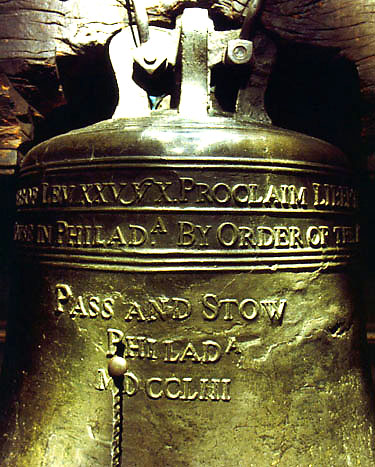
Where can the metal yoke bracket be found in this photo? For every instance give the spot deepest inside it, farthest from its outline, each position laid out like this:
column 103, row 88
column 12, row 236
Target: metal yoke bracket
column 200, row 47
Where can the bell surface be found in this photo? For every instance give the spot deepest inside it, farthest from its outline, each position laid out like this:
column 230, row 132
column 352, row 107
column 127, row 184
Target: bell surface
column 184, row 298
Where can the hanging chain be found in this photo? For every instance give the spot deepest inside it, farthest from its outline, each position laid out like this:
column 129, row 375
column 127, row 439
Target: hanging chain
column 117, row 367
column 116, row 449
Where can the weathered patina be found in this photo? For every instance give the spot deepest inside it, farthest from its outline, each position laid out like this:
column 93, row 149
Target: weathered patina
column 186, row 296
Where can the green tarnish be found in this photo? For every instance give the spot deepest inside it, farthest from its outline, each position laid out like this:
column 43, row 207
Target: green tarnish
column 213, row 257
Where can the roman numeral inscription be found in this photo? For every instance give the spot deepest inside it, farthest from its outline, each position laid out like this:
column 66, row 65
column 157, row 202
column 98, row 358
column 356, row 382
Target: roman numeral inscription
column 172, row 388
column 188, row 190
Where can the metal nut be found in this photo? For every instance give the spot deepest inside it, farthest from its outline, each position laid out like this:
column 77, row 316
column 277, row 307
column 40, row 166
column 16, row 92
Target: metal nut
column 239, row 52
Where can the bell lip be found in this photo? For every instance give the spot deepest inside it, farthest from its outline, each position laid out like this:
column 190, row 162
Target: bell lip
column 231, row 138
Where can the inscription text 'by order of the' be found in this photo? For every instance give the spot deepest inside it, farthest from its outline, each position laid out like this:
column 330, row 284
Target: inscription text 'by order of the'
column 186, row 234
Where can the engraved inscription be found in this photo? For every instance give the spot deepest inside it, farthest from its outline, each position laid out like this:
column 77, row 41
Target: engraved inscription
column 247, row 308
column 188, row 190
column 229, row 234
column 91, row 306
column 172, row 388
column 188, row 389
column 103, row 380
column 334, row 195
column 24, row 233
column 186, row 234
column 27, row 196
column 170, row 350
column 211, row 307
column 175, row 308
column 167, row 351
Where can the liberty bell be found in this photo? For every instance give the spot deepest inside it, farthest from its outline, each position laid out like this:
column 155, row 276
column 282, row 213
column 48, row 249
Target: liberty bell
column 184, row 281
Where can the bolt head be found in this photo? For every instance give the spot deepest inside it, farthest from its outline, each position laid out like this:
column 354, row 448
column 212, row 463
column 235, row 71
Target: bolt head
column 239, row 52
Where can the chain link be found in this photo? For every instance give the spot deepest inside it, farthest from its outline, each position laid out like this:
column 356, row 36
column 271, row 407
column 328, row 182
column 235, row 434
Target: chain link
column 116, row 449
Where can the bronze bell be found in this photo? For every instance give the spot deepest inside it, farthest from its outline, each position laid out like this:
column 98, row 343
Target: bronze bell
column 184, row 297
